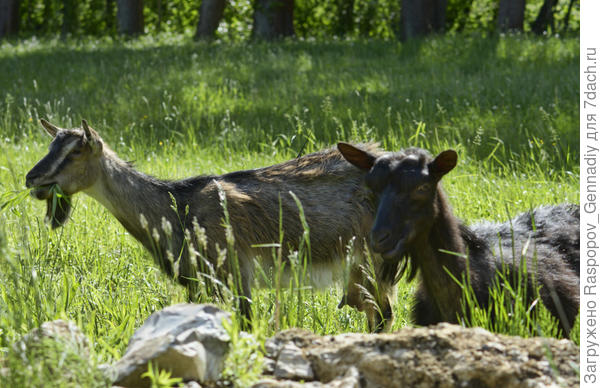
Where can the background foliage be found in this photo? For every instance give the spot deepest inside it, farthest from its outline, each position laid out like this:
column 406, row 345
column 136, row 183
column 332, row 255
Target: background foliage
column 312, row 18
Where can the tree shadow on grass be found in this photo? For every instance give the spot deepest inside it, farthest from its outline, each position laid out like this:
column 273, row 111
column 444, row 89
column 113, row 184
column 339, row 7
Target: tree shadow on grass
column 467, row 89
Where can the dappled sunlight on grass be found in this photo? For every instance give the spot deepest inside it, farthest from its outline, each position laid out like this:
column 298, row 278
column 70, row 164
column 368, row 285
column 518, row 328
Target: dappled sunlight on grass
column 508, row 105
column 151, row 90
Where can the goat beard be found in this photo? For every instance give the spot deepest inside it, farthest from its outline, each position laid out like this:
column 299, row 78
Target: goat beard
column 58, row 210
column 406, row 268
column 394, row 270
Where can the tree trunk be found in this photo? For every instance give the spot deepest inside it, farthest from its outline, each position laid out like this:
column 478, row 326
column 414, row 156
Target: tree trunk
column 544, row 18
column 9, row 17
column 413, row 20
column 273, row 19
column 435, row 14
column 567, row 16
column 130, row 17
column 510, row 15
column 421, row 17
column 211, row 12
column 159, row 14
column 109, row 16
column 46, row 16
column 69, row 14
column 345, row 15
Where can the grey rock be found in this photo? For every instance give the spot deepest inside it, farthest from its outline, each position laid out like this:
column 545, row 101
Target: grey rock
column 351, row 379
column 444, row 356
column 291, row 364
column 274, row 383
column 268, row 366
column 188, row 340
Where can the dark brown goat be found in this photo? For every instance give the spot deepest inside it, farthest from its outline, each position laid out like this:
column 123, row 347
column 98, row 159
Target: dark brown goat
column 337, row 208
column 414, row 221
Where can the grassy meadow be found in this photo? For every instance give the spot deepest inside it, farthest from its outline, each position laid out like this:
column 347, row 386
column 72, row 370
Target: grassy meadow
column 509, row 105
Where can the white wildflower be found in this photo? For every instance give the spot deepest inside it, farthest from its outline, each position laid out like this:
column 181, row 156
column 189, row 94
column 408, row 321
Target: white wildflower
column 143, row 221
column 166, row 226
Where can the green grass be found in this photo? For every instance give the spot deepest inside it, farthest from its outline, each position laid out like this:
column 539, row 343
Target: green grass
column 508, row 105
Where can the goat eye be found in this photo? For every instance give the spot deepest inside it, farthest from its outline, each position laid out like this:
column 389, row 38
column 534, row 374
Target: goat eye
column 424, row 188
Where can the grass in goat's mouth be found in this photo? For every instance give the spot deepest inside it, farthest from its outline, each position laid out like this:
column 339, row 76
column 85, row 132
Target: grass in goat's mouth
column 44, row 191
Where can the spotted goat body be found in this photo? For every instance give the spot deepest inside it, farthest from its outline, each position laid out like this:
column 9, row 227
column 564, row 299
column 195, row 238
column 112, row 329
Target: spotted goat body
column 415, row 223
column 337, row 207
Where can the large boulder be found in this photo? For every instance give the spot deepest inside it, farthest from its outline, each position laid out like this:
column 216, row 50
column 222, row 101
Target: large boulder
column 440, row 356
column 188, row 340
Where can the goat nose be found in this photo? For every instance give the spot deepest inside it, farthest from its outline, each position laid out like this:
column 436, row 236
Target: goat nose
column 29, row 178
column 379, row 238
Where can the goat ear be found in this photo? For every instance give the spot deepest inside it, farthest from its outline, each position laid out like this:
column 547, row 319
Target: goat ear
column 91, row 136
column 443, row 163
column 51, row 130
column 360, row 158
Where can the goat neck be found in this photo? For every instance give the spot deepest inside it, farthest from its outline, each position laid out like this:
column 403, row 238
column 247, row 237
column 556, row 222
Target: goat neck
column 141, row 204
column 438, row 253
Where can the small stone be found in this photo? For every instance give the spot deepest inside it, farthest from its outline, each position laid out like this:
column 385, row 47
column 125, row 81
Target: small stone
column 494, row 347
column 291, row 364
column 192, row 384
column 268, row 366
column 272, row 348
column 351, row 379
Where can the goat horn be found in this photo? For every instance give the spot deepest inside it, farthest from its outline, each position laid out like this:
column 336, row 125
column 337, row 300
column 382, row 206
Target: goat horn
column 51, row 129
column 87, row 131
column 92, row 137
